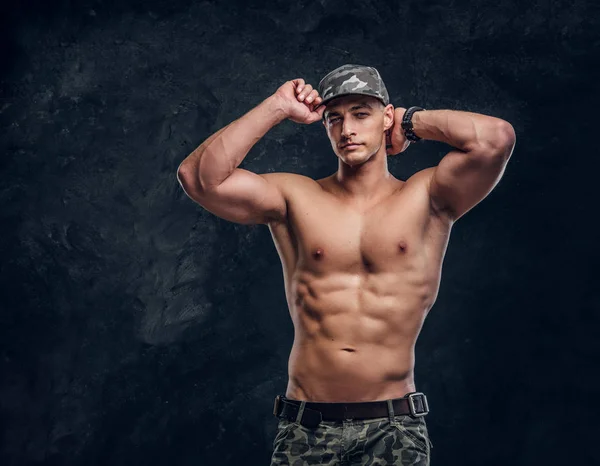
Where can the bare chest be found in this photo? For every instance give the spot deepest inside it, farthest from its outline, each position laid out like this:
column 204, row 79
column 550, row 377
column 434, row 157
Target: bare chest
column 324, row 235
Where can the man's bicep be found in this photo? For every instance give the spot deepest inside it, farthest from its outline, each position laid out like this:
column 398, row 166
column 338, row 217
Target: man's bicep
column 462, row 180
column 245, row 197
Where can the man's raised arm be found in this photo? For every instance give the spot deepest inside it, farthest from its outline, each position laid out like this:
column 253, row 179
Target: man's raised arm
column 210, row 174
column 467, row 175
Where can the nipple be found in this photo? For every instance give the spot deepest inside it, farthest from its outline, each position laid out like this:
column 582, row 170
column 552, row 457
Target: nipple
column 318, row 254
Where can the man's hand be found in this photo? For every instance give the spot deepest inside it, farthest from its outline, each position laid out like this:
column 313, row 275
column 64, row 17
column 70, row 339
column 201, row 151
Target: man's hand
column 396, row 141
column 300, row 101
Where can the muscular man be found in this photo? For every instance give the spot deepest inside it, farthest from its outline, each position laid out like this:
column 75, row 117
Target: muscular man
column 361, row 251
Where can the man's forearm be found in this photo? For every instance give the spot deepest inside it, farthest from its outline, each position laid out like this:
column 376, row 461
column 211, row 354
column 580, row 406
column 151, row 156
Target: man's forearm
column 217, row 157
column 464, row 130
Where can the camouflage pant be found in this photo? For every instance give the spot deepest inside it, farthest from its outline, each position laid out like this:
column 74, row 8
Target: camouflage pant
column 399, row 440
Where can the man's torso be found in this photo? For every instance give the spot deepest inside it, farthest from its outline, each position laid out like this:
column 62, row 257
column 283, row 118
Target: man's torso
column 359, row 281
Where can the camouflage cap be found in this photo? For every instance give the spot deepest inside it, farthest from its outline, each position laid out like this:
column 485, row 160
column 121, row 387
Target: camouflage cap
column 353, row 79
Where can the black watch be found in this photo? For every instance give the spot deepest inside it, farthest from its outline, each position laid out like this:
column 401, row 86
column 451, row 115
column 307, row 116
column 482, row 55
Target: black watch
column 407, row 125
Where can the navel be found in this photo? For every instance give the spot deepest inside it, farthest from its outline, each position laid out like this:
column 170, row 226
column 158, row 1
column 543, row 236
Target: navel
column 402, row 246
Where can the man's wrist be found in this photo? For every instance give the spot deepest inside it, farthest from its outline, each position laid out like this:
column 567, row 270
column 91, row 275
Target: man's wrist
column 409, row 124
column 418, row 128
column 277, row 108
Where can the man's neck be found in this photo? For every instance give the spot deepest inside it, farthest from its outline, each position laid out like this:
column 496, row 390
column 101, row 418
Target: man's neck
column 366, row 181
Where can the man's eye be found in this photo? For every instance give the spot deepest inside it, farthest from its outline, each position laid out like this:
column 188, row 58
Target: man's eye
column 333, row 120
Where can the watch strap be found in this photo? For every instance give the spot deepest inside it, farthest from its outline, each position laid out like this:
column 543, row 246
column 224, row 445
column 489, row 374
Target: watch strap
column 407, row 125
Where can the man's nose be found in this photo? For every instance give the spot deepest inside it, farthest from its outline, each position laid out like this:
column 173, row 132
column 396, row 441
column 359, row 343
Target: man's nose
column 347, row 128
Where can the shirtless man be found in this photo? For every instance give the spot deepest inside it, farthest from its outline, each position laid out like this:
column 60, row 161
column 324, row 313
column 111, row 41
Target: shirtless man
column 361, row 251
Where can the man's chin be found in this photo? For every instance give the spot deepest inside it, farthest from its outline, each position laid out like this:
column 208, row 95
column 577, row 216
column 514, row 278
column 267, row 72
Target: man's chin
column 354, row 161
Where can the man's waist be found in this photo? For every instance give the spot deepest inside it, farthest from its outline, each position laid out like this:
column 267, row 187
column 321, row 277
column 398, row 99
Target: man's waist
column 373, row 373
column 312, row 388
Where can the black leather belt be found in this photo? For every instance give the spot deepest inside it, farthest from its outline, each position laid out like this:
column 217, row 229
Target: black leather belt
column 414, row 404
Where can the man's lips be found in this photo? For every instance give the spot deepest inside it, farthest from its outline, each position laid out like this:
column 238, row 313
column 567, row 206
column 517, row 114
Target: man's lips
column 350, row 146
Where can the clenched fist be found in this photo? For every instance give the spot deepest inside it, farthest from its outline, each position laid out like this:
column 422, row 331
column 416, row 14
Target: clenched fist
column 300, row 101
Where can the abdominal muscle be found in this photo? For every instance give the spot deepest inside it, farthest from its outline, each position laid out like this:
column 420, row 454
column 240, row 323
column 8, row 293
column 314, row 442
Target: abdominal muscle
column 354, row 336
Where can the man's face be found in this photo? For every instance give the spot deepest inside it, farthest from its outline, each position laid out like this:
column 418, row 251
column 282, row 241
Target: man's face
column 357, row 119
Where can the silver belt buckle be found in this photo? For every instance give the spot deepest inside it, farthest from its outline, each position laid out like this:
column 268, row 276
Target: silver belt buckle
column 411, row 404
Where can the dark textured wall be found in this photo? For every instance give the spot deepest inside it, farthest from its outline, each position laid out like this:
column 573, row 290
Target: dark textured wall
column 137, row 328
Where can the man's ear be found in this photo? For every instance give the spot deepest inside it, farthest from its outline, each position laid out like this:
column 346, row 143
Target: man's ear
column 388, row 116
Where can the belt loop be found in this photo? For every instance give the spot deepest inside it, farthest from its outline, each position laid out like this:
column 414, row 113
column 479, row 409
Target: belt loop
column 300, row 412
column 390, row 410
